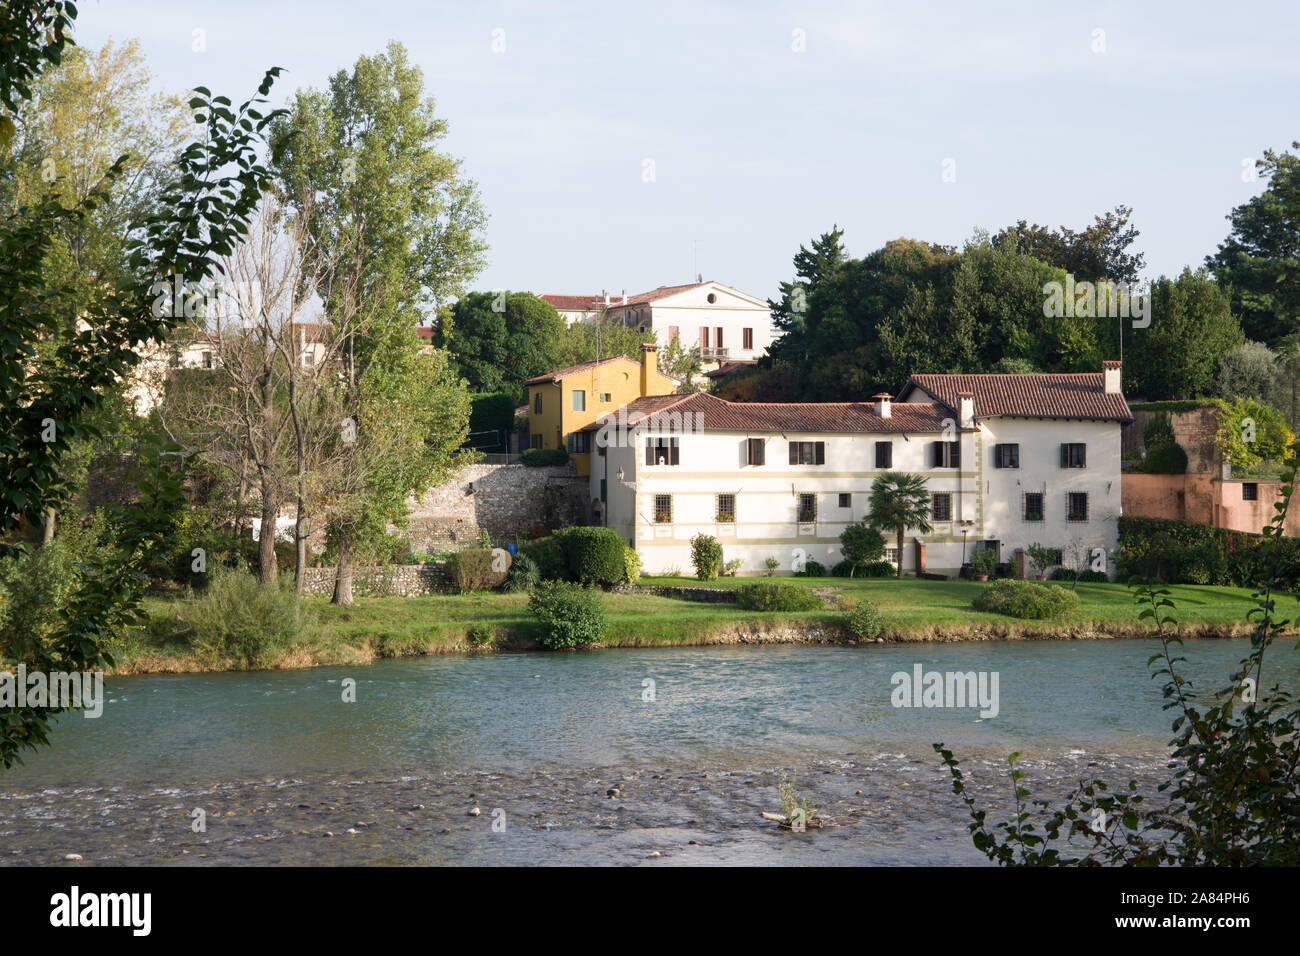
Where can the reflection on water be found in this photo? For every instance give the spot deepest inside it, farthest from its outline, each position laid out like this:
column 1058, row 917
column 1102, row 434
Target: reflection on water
column 278, row 759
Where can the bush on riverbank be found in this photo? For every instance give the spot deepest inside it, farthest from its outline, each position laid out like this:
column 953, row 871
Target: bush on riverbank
column 1026, row 599
column 865, row 620
column 471, row 570
column 776, row 596
column 568, row 615
column 1184, row 552
column 236, row 618
column 581, row 555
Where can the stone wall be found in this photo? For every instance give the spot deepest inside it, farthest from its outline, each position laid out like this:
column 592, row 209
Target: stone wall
column 1194, row 431
column 400, row 580
column 507, row 500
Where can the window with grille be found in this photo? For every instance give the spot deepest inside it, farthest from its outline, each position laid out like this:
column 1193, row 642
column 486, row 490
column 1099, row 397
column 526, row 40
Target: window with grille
column 947, row 454
column 1006, row 456
column 884, row 454
column 663, row 509
column 662, row 451
column 1076, row 506
column 726, row 508
column 755, row 449
column 1033, row 506
column 1074, row 455
column 807, row 453
column 1249, row 491
column 941, row 506
column 807, row 508
column 846, row 501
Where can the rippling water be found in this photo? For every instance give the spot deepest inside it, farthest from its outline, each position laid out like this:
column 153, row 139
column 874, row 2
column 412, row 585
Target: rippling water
column 278, row 760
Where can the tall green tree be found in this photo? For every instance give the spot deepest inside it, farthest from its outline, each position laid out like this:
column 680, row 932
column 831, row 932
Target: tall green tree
column 899, row 501
column 367, row 151
column 1098, row 251
column 1260, row 260
column 1192, row 326
column 499, row 339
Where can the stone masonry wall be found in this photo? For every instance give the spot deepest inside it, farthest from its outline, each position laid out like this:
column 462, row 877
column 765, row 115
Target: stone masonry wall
column 1194, row 431
column 401, row 580
column 505, row 499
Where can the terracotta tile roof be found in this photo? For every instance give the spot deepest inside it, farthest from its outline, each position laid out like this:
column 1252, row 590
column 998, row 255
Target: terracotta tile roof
column 575, row 370
column 577, row 303
column 1076, row 395
column 424, row 332
column 660, row 293
column 716, row 414
column 726, row 368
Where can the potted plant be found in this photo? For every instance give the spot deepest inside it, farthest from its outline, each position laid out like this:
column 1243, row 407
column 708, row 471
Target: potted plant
column 982, row 563
column 1040, row 559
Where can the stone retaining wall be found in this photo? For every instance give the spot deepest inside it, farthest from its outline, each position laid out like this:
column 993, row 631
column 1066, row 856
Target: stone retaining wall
column 393, row 580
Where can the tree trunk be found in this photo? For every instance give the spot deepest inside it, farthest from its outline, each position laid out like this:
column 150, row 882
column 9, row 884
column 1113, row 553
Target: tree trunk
column 343, row 579
column 266, row 540
column 48, row 534
column 900, row 551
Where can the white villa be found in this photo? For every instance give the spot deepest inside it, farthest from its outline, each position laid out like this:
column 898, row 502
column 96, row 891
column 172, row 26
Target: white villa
column 1011, row 460
column 728, row 325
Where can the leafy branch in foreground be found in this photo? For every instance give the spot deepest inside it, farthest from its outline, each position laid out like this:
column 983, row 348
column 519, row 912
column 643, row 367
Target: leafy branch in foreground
column 1233, row 794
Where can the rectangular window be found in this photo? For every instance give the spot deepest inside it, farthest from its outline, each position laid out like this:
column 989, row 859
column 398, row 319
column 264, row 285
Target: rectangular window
column 1076, row 506
column 947, row 454
column 884, row 454
column 537, row 403
column 747, row 339
column 663, row 509
column 672, row 334
column 580, row 443
column 717, row 337
column 807, row 508
column 704, row 336
column 606, row 397
column 1074, row 455
column 846, row 501
column 1006, row 456
column 207, row 360
column 807, row 453
column 726, row 508
column 755, row 449
column 662, row 451
column 579, row 400
column 1033, row 510
column 941, row 507
column 1249, row 491
column 308, row 359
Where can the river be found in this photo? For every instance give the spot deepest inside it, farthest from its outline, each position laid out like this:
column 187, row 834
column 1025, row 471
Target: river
column 283, row 767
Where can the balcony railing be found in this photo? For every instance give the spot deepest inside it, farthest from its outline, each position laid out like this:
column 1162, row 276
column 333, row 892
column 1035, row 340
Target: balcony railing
column 715, row 354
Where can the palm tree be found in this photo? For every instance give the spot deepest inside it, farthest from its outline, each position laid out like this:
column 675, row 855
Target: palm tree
column 900, row 501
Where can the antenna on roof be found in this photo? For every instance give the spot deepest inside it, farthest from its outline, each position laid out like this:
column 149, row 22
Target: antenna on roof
column 695, row 246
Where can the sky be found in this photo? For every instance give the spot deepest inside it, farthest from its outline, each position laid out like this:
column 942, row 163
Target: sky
column 623, row 146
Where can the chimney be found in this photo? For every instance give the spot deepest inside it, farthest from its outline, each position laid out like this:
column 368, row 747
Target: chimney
column 607, row 298
column 965, row 410
column 649, row 365
column 625, row 296
column 882, row 400
column 1110, row 378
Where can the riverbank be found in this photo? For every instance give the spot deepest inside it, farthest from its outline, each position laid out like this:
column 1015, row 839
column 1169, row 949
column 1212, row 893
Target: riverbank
column 914, row 611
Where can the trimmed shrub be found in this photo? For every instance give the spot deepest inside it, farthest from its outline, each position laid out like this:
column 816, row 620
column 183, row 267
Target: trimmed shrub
column 842, row 569
column 541, row 457
column 1026, row 599
column 1163, row 460
column 568, row 615
column 471, row 570
column 865, row 620
column 1094, row 577
column 593, row 555
column 1203, row 565
column 706, row 556
column 522, row 576
column 631, row 566
column 548, row 555
column 1063, row 574
column 812, row 569
column 876, row 569
column 776, row 596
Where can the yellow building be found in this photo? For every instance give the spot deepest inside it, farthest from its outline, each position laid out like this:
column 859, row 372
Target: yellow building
column 561, row 403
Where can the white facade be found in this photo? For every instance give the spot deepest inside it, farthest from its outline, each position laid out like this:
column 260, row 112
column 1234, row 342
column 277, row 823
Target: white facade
column 987, row 503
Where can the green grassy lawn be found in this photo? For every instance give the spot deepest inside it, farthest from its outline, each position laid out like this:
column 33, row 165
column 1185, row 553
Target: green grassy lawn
column 913, row 610
column 919, row 601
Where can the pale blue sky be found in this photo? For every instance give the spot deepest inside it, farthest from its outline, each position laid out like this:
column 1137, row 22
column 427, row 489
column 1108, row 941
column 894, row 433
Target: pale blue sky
column 757, row 147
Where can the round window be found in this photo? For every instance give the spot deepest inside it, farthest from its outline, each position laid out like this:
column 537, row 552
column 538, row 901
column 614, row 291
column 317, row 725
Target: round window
column 712, row 298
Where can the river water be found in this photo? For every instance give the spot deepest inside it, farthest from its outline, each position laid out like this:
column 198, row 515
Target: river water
column 283, row 767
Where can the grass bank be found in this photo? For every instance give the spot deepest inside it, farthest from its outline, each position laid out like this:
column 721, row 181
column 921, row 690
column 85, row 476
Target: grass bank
column 914, row 610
